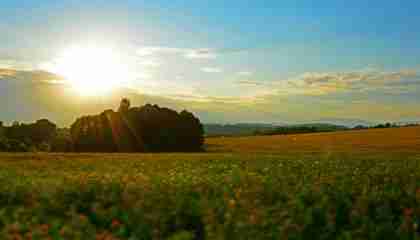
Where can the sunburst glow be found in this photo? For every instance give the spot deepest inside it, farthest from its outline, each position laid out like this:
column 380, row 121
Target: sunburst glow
column 91, row 70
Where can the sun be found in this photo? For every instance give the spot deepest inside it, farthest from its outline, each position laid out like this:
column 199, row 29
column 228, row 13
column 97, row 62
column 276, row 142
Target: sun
column 91, row 70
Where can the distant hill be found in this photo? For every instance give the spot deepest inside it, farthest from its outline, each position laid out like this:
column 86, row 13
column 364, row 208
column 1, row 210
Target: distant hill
column 303, row 128
column 322, row 126
column 247, row 129
column 348, row 122
column 239, row 129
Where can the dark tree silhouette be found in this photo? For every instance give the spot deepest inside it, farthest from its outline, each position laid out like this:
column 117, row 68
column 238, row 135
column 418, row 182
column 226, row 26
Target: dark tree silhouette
column 62, row 141
column 24, row 137
column 1, row 130
column 43, row 131
column 148, row 128
column 124, row 105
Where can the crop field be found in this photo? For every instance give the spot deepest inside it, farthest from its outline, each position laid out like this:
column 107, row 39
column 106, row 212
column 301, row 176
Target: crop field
column 388, row 141
column 344, row 185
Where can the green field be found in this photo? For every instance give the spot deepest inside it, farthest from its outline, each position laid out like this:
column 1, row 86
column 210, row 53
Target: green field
column 306, row 193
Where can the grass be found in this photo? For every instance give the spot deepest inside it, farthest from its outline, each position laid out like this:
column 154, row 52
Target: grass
column 348, row 185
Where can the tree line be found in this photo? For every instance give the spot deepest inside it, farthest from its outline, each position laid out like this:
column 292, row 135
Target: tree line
column 20, row 137
column 320, row 128
column 148, row 128
column 300, row 129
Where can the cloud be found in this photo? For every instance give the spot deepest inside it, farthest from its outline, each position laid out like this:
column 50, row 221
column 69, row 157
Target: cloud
column 305, row 97
column 149, row 63
column 15, row 64
column 148, row 51
column 211, row 70
column 36, row 76
column 251, row 83
column 356, row 81
column 215, row 99
column 321, row 83
column 200, row 54
column 245, row 73
column 353, row 78
column 188, row 53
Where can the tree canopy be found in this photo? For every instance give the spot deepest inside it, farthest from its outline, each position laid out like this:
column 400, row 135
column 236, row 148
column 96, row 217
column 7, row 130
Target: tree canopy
column 148, row 128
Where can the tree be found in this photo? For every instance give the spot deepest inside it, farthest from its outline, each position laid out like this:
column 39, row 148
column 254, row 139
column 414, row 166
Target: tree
column 1, row 130
column 191, row 132
column 148, row 128
column 62, row 141
column 24, row 137
column 124, row 105
column 42, row 131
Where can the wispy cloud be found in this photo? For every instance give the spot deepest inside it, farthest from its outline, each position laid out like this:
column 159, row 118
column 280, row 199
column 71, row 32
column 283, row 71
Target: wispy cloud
column 211, row 69
column 357, row 81
column 251, row 83
column 321, row 83
column 245, row 73
column 188, row 53
column 200, row 54
column 216, row 99
column 148, row 51
column 36, row 76
column 16, row 64
column 149, row 63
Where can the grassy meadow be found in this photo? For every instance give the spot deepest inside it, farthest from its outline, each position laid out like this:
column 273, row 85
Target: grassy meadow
column 344, row 185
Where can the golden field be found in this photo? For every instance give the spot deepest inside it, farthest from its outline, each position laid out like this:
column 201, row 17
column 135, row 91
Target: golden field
column 343, row 185
column 392, row 140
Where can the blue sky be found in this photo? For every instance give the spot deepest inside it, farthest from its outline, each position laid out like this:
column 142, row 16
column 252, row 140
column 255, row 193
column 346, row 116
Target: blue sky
column 256, row 57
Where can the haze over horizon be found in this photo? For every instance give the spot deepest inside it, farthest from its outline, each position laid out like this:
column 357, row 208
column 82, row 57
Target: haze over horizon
column 271, row 61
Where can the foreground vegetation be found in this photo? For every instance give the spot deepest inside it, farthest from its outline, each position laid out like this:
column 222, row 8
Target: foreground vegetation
column 344, row 193
column 212, row 196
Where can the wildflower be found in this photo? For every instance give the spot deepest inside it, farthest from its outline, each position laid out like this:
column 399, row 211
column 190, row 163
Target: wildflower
column 232, row 203
column 13, row 228
column 82, row 217
column 115, row 223
column 62, row 231
column 408, row 212
column 44, row 228
column 253, row 219
column 238, row 193
column 17, row 236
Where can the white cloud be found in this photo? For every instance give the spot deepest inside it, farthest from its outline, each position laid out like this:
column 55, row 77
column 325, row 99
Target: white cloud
column 36, row 76
column 211, row 70
column 251, row 83
column 320, row 83
column 149, row 51
column 200, row 54
column 17, row 65
column 188, row 53
column 151, row 63
column 245, row 73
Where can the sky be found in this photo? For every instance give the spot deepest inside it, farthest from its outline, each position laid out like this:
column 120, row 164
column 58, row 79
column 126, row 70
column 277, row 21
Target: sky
column 227, row 61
